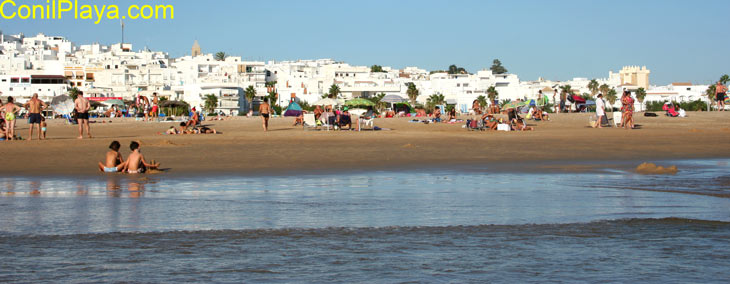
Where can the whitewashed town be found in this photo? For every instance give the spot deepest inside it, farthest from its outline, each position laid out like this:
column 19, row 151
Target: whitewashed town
column 53, row 65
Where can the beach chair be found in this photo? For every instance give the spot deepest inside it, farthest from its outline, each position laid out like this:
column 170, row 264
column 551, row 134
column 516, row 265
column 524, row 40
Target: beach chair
column 366, row 122
column 617, row 116
column 309, row 121
column 325, row 121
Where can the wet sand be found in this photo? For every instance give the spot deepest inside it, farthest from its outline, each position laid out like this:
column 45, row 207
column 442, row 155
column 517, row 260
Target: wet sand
column 564, row 143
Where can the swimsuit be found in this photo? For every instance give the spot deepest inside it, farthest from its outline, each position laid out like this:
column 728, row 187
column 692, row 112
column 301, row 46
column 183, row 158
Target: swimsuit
column 9, row 116
column 265, row 115
column 138, row 171
column 44, row 129
column 34, row 118
column 82, row 115
column 110, row 170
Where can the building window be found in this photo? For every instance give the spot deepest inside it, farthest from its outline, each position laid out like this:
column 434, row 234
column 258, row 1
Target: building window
column 11, row 89
column 14, row 80
column 25, row 80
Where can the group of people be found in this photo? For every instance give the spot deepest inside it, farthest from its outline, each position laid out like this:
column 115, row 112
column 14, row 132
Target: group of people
column 134, row 164
column 9, row 113
column 150, row 109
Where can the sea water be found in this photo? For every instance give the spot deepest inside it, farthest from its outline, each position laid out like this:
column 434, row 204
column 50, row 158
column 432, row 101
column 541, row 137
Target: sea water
column 467, row 224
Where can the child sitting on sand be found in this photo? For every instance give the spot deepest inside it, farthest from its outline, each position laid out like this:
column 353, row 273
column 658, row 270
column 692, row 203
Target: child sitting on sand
column 136, row 163
column 114, row 161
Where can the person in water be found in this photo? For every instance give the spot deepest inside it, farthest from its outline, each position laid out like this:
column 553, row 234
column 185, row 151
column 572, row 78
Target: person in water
column 136, row 163
column 114, row 162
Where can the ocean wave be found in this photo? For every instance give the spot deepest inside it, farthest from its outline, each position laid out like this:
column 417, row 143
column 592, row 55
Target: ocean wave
column 596, row 228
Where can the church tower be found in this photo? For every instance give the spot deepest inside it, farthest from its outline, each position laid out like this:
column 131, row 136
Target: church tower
column 196, row 49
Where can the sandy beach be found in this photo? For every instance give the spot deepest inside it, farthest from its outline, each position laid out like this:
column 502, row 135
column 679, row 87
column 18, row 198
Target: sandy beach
column 244, row 148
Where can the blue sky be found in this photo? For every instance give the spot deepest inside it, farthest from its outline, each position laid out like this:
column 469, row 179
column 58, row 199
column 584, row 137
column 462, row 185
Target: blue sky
column 561, row 39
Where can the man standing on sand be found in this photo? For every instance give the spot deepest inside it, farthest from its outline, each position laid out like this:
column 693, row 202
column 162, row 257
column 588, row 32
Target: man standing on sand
column 557, row 107
column 720, row 94
column 35, row 106
column 82, row 107
column 155, row 105
column 265, row 111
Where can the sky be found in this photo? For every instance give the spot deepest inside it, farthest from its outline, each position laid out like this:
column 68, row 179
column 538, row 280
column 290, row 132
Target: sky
column 557, row 40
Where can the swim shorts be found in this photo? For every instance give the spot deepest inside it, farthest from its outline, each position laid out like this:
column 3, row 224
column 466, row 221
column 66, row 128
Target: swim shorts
column 34, row 118
column 265, row 115
column 720, row 97
column 82, row 115
column 110, row 170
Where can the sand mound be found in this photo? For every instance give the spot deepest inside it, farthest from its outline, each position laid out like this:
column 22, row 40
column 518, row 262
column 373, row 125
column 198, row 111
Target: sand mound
column 653, row 169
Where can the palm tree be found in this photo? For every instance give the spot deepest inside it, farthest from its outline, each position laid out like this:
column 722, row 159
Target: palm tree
column 640, row 95
column 482, row 101
column 211, row 102
column 412, row 93
column 434, row 100
column 379, row 103
column 593, row 86
column 73, row 93
column 221, row 56
column 566, row 89
column 273, row 98
column 492, row 94
column 710, row 93
column 611, row 97
column 250, row 93
column 724, row 79
column 334, row 91
column 604, row 89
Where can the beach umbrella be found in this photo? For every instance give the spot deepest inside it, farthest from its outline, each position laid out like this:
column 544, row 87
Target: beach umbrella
column 359, row 102
column 62, row 104
column 326, row 102
column 115, row 102
column 513, row 104
column 294, row 109
column 393, row 99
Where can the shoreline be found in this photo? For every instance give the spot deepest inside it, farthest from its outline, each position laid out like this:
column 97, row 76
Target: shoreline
column 245, row 150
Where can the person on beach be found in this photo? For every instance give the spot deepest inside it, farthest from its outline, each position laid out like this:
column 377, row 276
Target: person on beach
column 601, row 118
column 265, row 111
column 437, row 114
column 155, row 106
column 557, row 107
column 720, row 95
column 10, row 110
column 318, row 112
column 136, row 163
column 114, row 162
column 563, row 98
column 627, row 109
column 44, row 127
column 476, row 107
column 82, row 107
column 193, row 121
column 35, row 106
column 452, row 114
column 344, row 118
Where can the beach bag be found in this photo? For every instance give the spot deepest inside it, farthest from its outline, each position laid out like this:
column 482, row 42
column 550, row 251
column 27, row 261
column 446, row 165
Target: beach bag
column 503, row 127
column 473, row 124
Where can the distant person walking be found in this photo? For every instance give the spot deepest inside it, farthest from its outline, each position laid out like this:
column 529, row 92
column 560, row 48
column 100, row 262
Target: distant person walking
column 601, row 117
column 82, row 107
column 10, row 110
column 557, row 107
column 35, row 106
column 265, row 111
column 720, row 95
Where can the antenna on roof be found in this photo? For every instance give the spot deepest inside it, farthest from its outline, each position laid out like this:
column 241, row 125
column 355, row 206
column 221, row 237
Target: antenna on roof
column 122, row 22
